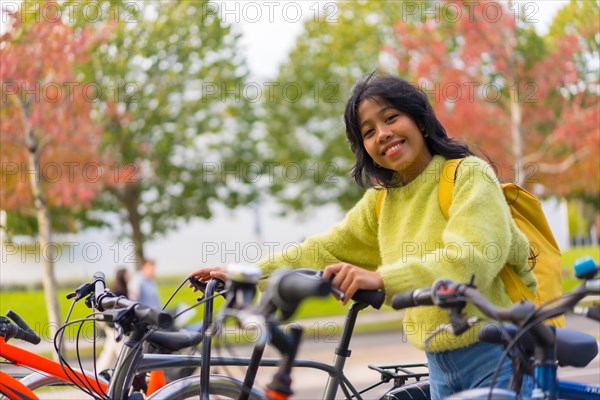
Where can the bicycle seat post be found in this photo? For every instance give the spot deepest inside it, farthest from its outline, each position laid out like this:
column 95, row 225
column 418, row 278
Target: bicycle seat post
column 342, row 352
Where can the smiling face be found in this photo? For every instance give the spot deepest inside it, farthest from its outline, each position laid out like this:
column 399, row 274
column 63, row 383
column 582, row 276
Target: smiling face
column 392, row 139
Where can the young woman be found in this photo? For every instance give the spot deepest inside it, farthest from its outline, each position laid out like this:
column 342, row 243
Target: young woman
column 400, row 148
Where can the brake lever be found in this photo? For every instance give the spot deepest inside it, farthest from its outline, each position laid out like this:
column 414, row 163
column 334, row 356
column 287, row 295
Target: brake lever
column 197, row 284
column 120, row 332
column 81, row 292
column 4, row 323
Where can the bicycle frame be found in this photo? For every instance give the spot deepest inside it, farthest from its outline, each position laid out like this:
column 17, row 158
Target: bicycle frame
column 577, row 391
column 548, row 384
column 336, row 378
column 163, row 361
column 13, row 389
column 26, row 358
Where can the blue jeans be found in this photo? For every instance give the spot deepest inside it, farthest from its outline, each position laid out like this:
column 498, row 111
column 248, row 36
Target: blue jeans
column 468, row 368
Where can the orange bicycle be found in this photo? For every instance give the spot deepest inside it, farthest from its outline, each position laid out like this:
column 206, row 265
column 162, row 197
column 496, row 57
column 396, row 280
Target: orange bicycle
column 14, row 389
column 48, row 372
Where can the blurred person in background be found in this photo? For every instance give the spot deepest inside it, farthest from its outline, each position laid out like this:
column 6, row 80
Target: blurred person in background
column 143, row 287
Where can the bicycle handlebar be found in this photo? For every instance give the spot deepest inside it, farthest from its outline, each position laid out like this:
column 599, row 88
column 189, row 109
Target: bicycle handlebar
column 20, row 329
column 373, row 298
column 288, row 288
column 593, row 286
column 418, row 297
column 589, row 312
column 292, row 287
column 442, row 290
column 105, row 300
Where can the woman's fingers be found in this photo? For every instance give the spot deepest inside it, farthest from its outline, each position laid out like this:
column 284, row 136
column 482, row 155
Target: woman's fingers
column 350, row 278
column 218, row 275
column 206, row 274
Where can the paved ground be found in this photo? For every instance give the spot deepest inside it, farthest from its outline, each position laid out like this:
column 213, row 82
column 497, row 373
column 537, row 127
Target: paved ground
column 375, row 348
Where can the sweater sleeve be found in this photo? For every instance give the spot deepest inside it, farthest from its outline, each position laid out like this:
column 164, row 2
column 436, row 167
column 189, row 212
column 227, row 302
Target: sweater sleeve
column 477, row 239
column 353, row 240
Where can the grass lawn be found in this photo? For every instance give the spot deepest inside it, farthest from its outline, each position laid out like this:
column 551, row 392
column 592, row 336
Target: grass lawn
column 568, row 259
column 30, row 305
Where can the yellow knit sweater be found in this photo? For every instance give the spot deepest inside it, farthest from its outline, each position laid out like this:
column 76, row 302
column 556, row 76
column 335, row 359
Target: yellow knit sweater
column 412, row 244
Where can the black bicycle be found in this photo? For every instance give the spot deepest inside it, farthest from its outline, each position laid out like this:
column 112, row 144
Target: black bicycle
column 285, row 291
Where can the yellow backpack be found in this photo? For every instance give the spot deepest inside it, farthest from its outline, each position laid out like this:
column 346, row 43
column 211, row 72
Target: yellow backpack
column 530, row 219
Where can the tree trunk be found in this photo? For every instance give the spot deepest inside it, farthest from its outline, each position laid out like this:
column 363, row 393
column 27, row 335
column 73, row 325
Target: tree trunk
column 47, row 248
column 517, row 137
column 131, row 200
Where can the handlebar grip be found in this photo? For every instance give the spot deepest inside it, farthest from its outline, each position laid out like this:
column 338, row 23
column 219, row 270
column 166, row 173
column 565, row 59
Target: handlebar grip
column 593, row 313
column 418, row 297
column 28, row 336
column 589, row 312
column 18, row 320
column 374, row 298
column 295, row 287
column 22, row 330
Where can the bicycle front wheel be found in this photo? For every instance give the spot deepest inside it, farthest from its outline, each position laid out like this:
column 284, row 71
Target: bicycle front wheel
column 37, row 380
column 220, row 387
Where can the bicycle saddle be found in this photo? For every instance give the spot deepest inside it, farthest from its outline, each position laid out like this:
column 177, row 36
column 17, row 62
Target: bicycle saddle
column 573, row 348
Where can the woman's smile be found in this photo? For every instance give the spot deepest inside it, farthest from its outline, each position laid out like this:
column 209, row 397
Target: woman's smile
column 392, row 139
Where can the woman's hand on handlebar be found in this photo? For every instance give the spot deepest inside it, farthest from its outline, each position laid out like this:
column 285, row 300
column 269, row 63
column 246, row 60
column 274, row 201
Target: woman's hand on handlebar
column 207, row 273
column 349, row 278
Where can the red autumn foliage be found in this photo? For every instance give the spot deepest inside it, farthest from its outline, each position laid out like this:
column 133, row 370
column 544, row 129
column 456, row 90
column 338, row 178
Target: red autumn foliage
column 46, row 106
column 487, row 78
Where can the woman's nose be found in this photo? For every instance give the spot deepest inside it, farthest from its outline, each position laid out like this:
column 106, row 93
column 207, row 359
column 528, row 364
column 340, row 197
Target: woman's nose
column 383, row 135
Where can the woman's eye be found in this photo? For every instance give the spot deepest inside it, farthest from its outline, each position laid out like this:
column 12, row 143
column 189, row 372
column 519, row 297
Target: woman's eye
column 391, row 118
column 368, row 133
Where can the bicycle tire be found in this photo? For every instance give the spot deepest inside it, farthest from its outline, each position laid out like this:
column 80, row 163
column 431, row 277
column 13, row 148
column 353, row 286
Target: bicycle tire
column 189, row 387
column 38, row 380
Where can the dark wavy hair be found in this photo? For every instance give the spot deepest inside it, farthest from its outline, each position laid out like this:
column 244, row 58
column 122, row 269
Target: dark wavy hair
column 412, row 101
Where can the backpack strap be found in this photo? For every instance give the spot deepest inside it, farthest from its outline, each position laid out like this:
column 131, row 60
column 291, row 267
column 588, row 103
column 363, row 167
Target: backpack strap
column 379, row 202
column 446, row 188
column 515, row 287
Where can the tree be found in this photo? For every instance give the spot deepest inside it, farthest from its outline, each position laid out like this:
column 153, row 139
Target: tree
column 582, row 20
column 49, row 140
column 174, row 116
column 304, row 128
column 545, row 128
column 521, row 97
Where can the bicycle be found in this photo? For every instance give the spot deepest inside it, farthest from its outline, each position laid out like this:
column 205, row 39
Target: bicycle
column 94, row 383
column 49, row 370
column 285, row 291
column 536, row 348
